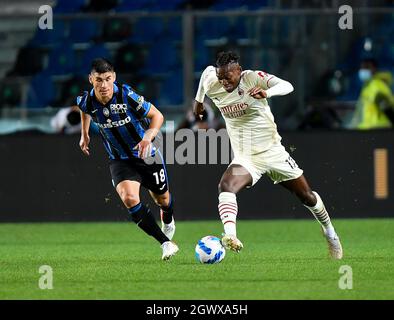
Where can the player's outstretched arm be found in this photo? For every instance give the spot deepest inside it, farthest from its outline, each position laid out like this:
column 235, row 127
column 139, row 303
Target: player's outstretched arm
column 156, row 121
column 269, row 86
column 85, row 139
column 198, row 109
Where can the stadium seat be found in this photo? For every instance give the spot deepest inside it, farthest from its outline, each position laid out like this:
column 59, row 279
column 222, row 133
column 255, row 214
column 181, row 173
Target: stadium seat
column 223, row 5
column 61, row 60
column 201, row 55
column 71, row 88
column 10, row 94
column 69, row 6
column 50, row 37
column 41, row 91
column 29, row 61
column 83, row 30
column 147, row 29
column 126, row 5
column 116, row 29
column 212, row 27
column 168, row 5
column 174, row 28
column 171, row 92
column 100, row 6
column 129, row 58
column 162, row 57
column 95, row 51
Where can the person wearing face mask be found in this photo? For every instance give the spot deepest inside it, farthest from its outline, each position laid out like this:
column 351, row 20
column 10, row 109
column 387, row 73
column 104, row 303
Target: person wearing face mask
column 375, row 105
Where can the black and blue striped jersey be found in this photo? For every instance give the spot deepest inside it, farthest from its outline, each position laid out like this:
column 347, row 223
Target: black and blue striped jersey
column 122, row 121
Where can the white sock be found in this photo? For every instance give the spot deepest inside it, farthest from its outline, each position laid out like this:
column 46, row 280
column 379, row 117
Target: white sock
column 321, row 215
column 228, row 210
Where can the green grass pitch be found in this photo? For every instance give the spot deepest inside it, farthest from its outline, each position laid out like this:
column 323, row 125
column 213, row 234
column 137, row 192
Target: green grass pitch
column 280, row 260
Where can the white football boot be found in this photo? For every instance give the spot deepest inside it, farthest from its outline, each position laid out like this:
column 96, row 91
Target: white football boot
column 168, row 229
column 232, row 243
column 334, row 246
column 169, row 250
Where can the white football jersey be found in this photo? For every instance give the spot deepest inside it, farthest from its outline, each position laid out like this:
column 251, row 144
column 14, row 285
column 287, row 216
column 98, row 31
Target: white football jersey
column 249, row 121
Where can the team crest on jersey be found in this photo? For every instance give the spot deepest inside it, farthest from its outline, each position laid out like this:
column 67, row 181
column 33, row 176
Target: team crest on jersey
column 118, row 108
column 106, row 112
column 140, row 101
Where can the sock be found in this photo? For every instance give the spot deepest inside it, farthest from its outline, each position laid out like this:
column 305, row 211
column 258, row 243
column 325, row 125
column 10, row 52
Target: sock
column 228, row 210
column 144, row 219
column 168, row 211
column 321, row 215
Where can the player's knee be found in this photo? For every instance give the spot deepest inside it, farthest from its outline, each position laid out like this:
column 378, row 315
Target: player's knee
column 129, row 199
column 226, row 186
column 307, row 197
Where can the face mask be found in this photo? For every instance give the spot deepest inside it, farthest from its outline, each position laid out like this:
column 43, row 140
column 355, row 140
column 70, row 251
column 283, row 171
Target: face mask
column 364, row 74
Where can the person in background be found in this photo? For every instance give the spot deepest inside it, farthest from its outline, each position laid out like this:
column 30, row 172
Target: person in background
column 375, row 105
column 67, row 120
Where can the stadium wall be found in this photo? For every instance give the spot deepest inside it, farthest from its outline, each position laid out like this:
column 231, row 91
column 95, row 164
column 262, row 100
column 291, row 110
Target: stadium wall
column 47, row 178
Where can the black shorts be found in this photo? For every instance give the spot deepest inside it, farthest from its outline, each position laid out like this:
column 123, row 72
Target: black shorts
column 151, row 176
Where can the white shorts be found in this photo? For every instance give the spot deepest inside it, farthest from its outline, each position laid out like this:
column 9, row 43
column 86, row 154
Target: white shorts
column 275, row 162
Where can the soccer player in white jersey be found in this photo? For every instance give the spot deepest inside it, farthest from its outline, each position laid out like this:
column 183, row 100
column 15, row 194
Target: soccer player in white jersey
column 241, row 96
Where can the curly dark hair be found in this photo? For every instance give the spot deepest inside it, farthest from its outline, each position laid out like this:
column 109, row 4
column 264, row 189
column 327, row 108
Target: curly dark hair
column 226, row 57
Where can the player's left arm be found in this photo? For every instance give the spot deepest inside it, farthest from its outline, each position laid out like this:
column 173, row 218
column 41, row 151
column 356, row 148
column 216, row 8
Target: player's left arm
column 268, row 85
column 156, row 121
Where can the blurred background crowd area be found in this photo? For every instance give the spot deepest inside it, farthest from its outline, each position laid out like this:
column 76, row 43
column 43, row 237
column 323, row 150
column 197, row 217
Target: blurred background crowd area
column 161, row 47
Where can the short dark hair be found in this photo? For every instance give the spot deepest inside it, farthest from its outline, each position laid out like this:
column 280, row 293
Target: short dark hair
column 102, row 65
column 371, row 60
column 226, row 57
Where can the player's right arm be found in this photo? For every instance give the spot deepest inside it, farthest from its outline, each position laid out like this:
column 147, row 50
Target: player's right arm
column 85, row 123
column 198, row 105
column 85, row 139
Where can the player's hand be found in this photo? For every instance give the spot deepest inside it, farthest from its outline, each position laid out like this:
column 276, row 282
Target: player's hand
column 198, row 109
column 144, row 148
column 84, row 144
column 257, row 93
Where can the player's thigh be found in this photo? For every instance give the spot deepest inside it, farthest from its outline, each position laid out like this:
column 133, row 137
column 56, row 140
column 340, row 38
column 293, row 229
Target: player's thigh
column 281, row 167
column 234, row 179
column 154, row 176
column 126, row 180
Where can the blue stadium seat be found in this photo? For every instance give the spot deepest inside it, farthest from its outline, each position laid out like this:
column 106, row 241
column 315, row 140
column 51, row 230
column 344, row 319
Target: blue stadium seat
column 171, row 92
column 223, row 5
column 353, row 88
column 50, row 37
column 212, row 27
column 127, row 5
column 174, row 28
column 147, row 29
column 61, row 60
column 162, row 57
column 256, row 4
column 83, row 30
column 41, row 91
column 201, row 55
column 69, row 6
column 168, row 5
column 95, row 51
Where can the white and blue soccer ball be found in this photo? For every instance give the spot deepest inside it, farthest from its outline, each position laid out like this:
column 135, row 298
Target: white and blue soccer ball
column 210, row 250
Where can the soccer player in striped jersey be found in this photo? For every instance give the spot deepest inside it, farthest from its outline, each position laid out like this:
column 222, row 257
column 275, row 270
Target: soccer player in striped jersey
column 128, row 125
column 241, row 97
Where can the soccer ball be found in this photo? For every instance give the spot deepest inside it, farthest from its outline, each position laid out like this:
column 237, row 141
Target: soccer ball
column 210, row 250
